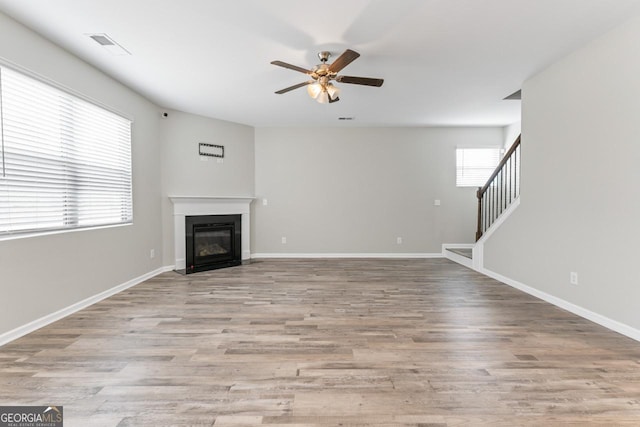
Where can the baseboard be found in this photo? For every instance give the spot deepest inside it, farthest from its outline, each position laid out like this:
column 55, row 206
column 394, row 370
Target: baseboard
column 345, row 255
column 478, row 265
column 50, row 318
column 601, row 320
column 462, row 260
column 459, row 259
column 446, row 246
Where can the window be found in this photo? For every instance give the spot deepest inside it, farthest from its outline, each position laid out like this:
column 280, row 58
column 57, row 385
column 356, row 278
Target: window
column 65, row 162
column 475, row 165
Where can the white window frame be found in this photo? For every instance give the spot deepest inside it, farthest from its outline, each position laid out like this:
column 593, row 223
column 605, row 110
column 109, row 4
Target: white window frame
column 475, row 173
column 90, row 166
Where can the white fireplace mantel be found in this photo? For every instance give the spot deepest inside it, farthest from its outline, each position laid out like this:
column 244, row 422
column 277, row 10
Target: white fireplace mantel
column 192, row 205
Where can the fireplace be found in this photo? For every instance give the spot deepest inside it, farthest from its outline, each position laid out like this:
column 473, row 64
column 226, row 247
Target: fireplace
column 184, row 206
column 212, row 241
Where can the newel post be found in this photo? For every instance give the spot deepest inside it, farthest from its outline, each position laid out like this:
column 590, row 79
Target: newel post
column 479, row 229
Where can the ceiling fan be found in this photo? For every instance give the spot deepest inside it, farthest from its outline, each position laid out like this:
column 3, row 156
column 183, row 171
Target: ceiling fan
column 320, row 88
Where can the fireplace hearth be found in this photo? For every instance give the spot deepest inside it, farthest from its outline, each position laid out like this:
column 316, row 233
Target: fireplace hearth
column 212, row 241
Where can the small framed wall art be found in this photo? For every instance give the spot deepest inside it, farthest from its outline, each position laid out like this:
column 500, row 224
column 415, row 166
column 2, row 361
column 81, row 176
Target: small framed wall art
column 211, row 150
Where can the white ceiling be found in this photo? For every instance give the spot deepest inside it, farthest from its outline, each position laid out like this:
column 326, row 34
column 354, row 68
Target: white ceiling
column 445, row 62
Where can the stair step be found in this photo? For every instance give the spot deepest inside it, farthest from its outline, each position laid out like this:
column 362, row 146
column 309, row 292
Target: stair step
column 465, row 252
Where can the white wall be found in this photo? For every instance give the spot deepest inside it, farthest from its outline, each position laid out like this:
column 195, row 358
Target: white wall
column 355, row 190
column 186, row 173
column 511, row 132
column 579, row 207
column 40, row 275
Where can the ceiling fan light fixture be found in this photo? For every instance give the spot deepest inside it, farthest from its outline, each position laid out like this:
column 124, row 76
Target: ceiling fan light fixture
column 333, row 91
column 314, row 89
column 320, row 88
column 323, row 98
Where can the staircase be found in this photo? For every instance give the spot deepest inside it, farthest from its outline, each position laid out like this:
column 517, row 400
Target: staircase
column 501, row 189
column 501, row 192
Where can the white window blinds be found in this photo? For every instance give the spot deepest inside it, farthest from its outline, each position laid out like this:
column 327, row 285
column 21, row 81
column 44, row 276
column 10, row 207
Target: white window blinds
column 475, row 165
column 66, row 163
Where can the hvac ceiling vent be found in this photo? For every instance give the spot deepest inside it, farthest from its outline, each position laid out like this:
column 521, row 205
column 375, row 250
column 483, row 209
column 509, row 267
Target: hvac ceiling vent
column 109, row 44
column 517, row 95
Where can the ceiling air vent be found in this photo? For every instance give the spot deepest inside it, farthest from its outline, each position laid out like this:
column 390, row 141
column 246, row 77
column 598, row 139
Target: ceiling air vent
column 102, row 40
column 109, row 44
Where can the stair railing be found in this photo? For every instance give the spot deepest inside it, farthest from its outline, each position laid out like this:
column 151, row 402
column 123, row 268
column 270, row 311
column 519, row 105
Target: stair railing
column 501, row 189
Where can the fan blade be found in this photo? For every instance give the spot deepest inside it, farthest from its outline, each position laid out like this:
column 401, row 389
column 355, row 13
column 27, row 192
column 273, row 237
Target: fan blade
column 367, row 81
column 331, row 101
column 291, row 67
column 290, row 88
column 343, row 60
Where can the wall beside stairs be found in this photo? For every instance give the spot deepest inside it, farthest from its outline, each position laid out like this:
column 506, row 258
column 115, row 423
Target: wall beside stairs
column 511, row 133
column 580, row 204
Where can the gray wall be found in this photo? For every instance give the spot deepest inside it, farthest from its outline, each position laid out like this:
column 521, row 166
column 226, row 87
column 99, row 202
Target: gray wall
column 579, row 202
column 186, row 173
column 355, row 190
column 40, row 275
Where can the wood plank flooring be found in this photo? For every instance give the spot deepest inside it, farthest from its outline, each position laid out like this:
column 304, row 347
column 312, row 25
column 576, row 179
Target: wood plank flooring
column 326, row 343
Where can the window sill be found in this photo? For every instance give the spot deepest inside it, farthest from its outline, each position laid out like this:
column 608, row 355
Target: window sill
column 16, row 236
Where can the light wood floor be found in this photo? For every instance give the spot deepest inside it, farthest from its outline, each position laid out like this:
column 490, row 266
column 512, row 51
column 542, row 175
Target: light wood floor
column 326, row 343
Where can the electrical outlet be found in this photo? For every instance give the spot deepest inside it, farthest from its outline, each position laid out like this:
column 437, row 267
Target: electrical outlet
column 264, row 202
column 399, row 240
column 152, row 253
column 436, row 202
column 284, row 240
column 573, row 278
